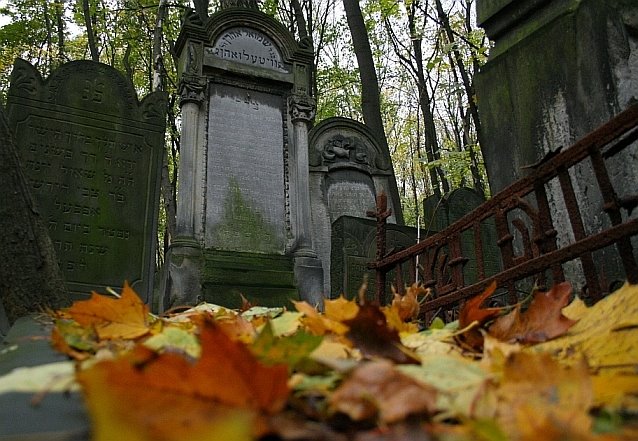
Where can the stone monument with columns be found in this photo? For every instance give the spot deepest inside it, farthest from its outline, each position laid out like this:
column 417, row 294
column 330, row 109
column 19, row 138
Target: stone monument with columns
column 243, row 202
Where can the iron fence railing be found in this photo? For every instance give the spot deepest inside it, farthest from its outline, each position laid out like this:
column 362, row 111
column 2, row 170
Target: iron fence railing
column 527, row 218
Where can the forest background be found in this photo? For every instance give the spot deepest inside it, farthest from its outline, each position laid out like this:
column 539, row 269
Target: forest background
column 411, row 77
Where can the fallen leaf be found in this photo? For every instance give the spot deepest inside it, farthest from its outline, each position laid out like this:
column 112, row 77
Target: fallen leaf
column 68, row 337
column 369, row 332
column 377, row 389
column 457, row 381
column 172, row 339
column 333, row 321
column 535, row 387
column 289, row 350
column 542, row 321
column 606, row 334
column 472, row 314
column 408, row 305
column 169, row 397
column 113, row 318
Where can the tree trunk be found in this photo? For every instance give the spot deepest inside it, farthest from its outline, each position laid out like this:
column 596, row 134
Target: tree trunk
column 159, row 75
column 370, row 96
column 59, row 15
column 468, row 85
column 90, row 35
column 437, row 178
column 30, row 279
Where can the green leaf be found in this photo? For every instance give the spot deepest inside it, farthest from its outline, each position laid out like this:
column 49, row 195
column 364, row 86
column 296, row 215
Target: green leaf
column 290, row 349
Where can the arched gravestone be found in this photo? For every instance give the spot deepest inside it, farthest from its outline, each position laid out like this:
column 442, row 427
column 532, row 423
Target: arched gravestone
column 243, row 207
column 92, row 155
column 347, row 170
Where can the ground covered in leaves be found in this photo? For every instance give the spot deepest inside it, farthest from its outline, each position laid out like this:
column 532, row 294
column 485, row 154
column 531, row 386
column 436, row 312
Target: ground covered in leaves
column 546, row 370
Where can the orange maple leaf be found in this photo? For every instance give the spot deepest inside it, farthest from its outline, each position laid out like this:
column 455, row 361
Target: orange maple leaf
column 124, row 317
column 542, row 321
column 169, row 395
column 472, row 312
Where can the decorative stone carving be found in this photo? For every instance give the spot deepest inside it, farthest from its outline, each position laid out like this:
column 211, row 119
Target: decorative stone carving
column 342, row 149
column 302, row 108
column 192, row 89
column 250, row 4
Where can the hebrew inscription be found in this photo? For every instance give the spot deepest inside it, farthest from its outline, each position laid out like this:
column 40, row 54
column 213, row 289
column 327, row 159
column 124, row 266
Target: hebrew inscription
column 94, row 178
column 248, row 46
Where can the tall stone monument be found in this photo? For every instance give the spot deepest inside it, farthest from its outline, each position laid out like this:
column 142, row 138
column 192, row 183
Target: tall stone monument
column 91, row 153
column 558, row 70
column 243, row 204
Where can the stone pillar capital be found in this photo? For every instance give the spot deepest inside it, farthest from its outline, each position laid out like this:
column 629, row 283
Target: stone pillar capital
column 192, row 89
column 302, row 108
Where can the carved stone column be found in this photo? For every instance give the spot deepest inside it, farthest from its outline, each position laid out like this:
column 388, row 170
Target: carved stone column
column 308, row 268
column 182, row 281
column 192, row 95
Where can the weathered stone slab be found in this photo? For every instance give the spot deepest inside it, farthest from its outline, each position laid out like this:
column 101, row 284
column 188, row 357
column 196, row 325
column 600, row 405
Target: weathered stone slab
column 354, row 246
column 92, row 155
column 245, row 202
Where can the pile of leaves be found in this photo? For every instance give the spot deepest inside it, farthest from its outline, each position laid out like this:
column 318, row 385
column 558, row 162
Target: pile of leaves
column 357, row 371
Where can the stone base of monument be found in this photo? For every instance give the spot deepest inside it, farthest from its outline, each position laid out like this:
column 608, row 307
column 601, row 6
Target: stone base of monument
column 263, row 279
column 180, row 280
column 309, row 280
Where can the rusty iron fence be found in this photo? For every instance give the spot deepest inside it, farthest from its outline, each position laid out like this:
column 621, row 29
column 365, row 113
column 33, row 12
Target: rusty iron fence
column 526, row 216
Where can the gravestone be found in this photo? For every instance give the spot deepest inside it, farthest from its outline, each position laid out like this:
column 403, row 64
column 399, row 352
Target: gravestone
column 354, row 247
column 91, row 153
column 348, row 168
column 243, row 207
column 458, row 203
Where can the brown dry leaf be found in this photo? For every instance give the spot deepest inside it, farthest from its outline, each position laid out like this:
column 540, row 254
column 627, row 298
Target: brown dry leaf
column 408, row 305
column 370, row 332
column 542, row 321
column 613, row 319
column 377, row 389
column 113, row 318
column 169, row 397
column 472, row 312
column 534, row 386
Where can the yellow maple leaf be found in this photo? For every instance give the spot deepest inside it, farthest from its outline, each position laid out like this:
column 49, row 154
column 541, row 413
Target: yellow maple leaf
column 113, row 318
column 337, row 311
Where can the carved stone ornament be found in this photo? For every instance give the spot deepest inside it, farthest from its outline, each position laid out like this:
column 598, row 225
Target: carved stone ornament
column 250, row 4
column 342, row 149
column 302, row 108
column 192, row 90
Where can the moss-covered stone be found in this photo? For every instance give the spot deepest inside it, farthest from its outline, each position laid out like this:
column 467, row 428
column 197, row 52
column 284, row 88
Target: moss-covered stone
column 243, row 228
column 264, row 279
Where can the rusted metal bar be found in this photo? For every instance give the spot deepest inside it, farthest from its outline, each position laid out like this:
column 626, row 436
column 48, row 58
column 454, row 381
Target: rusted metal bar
column 381, row 214
column 443, row 257
column 538, row 264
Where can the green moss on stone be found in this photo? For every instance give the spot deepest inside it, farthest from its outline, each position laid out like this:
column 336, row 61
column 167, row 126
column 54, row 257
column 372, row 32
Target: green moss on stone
column 243, row 228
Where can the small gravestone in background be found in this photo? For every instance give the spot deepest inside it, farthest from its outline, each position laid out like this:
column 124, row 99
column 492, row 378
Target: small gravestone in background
column 354, row 247
column 439, row 214
column 91, row 153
